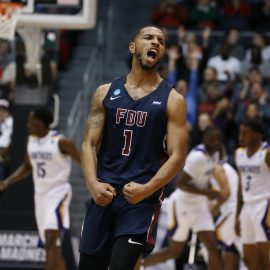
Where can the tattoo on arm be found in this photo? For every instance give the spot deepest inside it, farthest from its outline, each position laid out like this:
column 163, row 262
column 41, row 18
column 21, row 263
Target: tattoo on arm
column 96, row 117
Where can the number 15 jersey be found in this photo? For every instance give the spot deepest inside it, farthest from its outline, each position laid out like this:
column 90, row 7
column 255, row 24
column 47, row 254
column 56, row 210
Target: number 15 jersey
column 50, row 167
column 132, row 146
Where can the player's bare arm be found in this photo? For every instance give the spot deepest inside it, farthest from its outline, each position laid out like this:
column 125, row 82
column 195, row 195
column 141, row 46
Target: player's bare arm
column 177, row 137
column 68, row 147
column 239, row 205
column 185, row 183
column 102, row 193
column 19, row 174
column 222, row 181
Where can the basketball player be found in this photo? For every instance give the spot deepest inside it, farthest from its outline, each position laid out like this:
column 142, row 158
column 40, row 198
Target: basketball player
column 131, row 121
column 48, row 158
column 253, row 164
column 228, row 240
column 191, row 209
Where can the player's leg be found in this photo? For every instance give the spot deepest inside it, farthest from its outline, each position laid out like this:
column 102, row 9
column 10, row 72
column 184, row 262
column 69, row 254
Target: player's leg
column 126, row 251
column 48, row 228
column 263, row 250
column 173, row 251
column 228, row 240
column 248, row 235
column 262, row 229
column 250, row 256
column 231, row 258
column 209, row 240
column 88, row 262
column 54, row 257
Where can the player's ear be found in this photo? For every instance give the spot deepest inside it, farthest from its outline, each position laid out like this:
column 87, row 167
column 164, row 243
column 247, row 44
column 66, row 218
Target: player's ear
column 131, row 47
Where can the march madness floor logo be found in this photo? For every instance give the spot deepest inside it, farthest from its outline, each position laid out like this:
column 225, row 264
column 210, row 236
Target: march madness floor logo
column 21, row 248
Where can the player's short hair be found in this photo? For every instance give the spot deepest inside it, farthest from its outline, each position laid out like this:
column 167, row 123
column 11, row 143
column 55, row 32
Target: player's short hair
column 253, row 124
column 210, row 129
column 141, row 28
column 44, row 115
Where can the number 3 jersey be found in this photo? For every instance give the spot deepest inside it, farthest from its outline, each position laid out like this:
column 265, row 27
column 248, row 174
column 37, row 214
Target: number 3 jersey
column 255, row 174
column 132, row 146
column 50, row 167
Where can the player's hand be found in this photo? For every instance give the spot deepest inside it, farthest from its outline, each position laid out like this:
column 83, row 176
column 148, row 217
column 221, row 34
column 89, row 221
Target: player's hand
column 215, row 210
column 102, row 193
column 214, row 195
column 134, row 192
column 237, row 227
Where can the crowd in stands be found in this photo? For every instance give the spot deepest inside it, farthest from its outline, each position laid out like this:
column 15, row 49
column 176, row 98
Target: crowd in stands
column 33, row 59
column 218, row 57
column 216, row 14
column 32, row 67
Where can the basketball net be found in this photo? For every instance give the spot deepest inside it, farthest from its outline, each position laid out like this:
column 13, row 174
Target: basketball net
column 9, row 13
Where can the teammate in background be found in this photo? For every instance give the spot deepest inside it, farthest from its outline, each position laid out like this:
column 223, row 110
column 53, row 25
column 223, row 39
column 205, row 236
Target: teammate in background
column 124, row 159
column 48, row 158
column 253, row 164
column 229, row 242
column 191, row 209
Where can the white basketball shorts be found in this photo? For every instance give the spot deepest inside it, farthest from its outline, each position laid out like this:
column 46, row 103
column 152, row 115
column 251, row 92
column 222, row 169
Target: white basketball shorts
column 52, row 209
column 185, row 216
column 255, row 222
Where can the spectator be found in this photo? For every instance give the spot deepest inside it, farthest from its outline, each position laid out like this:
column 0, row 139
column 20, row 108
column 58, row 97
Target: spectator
column 256, row 60
column 205, row 14
column 7, row 71
column 188, row 89
column 261, row 41
column 232, row 38
column 204, row 120
column 189, row 43
column 225, row 64
column 210, row 82
column 169, row 14
column 177, row 66
column 6, row 129
column 252, row 77
column 252, row 112
column 236, row 13
column 258, row 96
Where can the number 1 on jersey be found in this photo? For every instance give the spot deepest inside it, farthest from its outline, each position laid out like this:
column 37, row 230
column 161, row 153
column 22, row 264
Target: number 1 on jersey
column 128, row 139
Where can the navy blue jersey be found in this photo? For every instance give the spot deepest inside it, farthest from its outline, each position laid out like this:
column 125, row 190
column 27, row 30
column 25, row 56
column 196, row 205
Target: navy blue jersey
column 133, row 142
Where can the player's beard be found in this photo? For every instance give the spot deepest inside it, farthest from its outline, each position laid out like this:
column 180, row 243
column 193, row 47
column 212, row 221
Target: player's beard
column 146, row 66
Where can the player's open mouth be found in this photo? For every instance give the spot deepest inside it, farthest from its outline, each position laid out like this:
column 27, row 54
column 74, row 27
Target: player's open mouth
column 152, row 54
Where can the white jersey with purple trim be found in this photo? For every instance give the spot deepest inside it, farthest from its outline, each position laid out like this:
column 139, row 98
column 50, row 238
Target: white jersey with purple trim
column 254, row 173
column 200, row 167
column 50, row 167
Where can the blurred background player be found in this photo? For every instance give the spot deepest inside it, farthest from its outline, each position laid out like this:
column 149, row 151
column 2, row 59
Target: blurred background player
column 191, row 209
column 225, row 210
column 253, row 164
column 6, row 130
column 48, row 158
